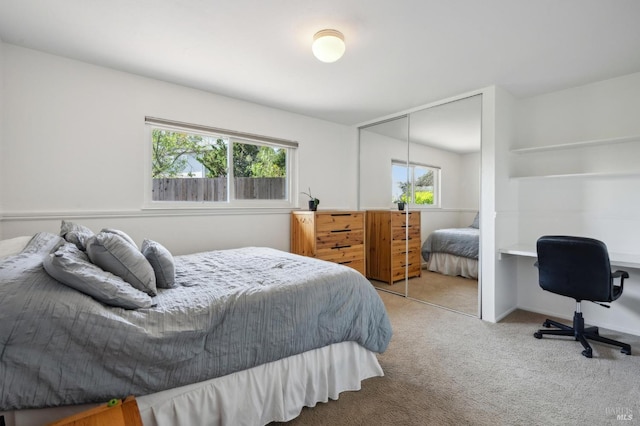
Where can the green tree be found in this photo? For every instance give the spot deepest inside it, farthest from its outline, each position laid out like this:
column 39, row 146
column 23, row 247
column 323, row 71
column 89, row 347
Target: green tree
column 214, row 158
column 270, row 163
column 244, row 156
column 424, row 197
column 425, row 180
column 170, row 150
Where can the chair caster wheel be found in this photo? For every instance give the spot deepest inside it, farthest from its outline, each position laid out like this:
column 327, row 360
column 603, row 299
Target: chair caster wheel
column 587, row 353
column 537, row 335
column 626, row 351
column 546, row 324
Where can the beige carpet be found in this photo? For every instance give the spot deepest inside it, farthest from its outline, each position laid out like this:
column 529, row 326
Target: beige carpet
column 444, row 368
column 457, row 293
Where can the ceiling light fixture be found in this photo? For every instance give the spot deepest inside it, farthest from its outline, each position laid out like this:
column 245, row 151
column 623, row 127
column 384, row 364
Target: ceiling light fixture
column 328, row 45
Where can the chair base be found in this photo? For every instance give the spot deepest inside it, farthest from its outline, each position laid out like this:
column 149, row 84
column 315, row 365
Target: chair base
column 581, row 334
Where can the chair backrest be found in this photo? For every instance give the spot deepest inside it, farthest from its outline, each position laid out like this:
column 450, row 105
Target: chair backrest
column 576, row 267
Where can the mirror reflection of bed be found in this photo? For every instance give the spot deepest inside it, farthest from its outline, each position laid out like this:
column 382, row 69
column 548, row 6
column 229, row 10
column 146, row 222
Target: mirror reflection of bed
column 449, row 270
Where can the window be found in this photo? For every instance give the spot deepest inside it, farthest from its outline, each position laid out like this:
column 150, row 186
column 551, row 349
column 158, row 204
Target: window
column 191, row 164
column 415, row 183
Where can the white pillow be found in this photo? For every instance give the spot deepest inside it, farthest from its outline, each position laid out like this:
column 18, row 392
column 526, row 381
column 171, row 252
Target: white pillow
column 113, row 253
column 13, row 246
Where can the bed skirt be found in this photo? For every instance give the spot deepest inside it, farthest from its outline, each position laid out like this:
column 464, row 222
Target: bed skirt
column 276, row 391
column 449, row 264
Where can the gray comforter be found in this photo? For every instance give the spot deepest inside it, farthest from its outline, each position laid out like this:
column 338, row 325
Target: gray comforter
column 234, row 309
column 463, row 242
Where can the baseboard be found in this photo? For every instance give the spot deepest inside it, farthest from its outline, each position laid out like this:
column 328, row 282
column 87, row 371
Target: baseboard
column 505, row 314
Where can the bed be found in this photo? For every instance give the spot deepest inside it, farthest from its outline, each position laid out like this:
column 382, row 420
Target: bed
column 453, row 251
column 242, row 336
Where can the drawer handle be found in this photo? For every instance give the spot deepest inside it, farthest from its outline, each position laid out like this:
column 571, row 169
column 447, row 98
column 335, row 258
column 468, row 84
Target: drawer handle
column 340, row 214
column 345, row 262
column 341, row 230
column 339, row 247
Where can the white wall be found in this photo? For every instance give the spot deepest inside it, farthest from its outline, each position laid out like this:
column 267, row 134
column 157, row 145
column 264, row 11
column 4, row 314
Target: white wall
column 498, row 289
column 1, row 121
column 74, row 147
column 376, row 153
column 505, row 218
column 602, row 207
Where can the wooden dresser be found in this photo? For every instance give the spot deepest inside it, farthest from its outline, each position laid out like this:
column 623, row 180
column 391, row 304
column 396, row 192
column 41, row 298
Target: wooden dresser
column 388, row 233
column 333, row 235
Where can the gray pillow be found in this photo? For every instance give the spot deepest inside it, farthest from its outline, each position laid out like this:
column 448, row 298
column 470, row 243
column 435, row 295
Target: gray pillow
column 476, row 221
column 76, row 234
column 113, row 253
column 122, row 234
column 72, row 267
column 162, row 263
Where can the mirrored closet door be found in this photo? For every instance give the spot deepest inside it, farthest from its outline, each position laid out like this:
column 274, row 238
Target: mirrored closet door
column 430, row 160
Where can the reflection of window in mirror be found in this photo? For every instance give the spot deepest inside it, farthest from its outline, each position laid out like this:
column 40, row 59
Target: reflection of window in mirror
column 415, row 183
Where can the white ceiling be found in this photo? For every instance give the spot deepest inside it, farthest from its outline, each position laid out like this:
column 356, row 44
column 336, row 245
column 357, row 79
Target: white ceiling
column 453, row 126
column 400, row 54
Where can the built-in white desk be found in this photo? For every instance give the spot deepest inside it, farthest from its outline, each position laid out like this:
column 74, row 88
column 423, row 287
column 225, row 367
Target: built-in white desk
column 618, row 259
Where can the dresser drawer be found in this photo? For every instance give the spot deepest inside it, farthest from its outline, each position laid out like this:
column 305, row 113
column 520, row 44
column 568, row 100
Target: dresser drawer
column 358, row 265
column 401, row 219
column 327, row 222
column 399, row 260
column 414, row 270
column 398, row 219
column 414, row 219
column 415, row 256
column 414, row 244
column 343, row 238
column 398, row 247
column 399, row 234
column 341, row 254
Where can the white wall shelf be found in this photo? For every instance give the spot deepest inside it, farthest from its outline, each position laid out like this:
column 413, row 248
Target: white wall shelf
column 580, row 175
column 612, row 157
column 575, row 145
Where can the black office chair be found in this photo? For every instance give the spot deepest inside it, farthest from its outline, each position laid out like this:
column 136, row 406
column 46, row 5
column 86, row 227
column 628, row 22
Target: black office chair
column 578, row 267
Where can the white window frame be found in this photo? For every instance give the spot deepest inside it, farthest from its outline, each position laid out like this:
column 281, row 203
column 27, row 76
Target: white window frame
column 291, row 168
column 437, row 186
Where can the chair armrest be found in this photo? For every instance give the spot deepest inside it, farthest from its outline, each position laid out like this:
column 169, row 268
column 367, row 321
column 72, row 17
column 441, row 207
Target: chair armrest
column 619, row 274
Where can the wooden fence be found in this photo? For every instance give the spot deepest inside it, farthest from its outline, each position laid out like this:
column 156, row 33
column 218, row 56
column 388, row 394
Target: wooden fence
column 215, row 189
